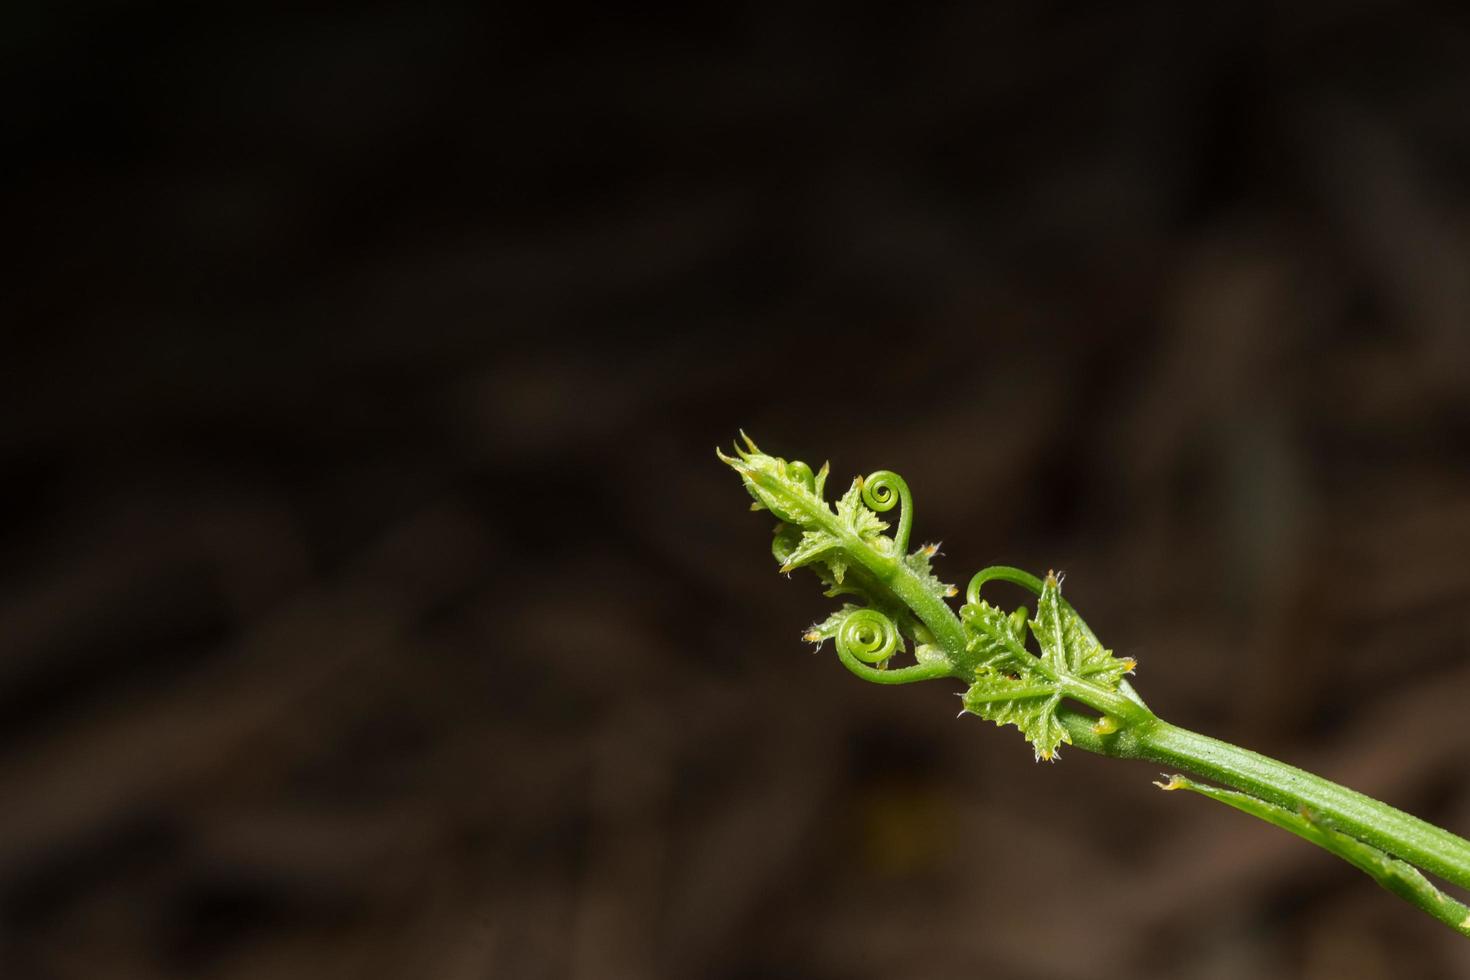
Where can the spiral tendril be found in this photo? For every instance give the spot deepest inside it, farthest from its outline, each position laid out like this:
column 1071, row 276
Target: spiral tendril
column 868, row 635
column 867, row 639
column 882, row 490
column 802, row 473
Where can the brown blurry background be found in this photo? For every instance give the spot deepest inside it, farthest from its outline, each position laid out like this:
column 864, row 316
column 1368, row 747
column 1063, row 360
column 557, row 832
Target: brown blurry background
column 372, row 603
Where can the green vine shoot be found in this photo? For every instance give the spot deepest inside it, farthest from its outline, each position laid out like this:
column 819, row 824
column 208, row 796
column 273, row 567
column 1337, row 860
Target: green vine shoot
column 1044, row 671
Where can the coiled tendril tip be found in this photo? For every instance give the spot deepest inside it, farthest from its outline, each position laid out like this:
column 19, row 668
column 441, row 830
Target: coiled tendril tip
column 882, row 490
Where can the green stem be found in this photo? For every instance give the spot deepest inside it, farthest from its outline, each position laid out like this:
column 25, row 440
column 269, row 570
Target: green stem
column 1363, row 831
column 1398, row 877
column 1143, row 735
column 1387, row 828
column 933, row 612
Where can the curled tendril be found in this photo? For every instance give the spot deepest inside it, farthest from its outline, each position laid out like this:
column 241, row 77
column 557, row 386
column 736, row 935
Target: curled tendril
column 867, row 635
column 1032, row 584
column 1003, row 573
column 802, row 473
column 882, row 490
column 867, row 639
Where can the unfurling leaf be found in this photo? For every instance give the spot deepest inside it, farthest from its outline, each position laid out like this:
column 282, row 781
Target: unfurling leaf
column 856, row 516
column 1021, row 701
column 1013, row 686
column 1068, row 646
column 920, row 563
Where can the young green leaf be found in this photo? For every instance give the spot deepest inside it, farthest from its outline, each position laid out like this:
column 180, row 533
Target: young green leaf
column 1013, row 686
column 861, row 522
column 1068, row 645
column 920, row 563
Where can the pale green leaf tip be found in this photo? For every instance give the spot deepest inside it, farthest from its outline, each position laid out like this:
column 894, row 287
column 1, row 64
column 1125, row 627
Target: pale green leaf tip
column 738, row 462
column 1171, row 783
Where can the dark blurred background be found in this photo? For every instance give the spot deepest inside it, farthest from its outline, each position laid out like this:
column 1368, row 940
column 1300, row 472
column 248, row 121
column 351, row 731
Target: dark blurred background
column 372, row 603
